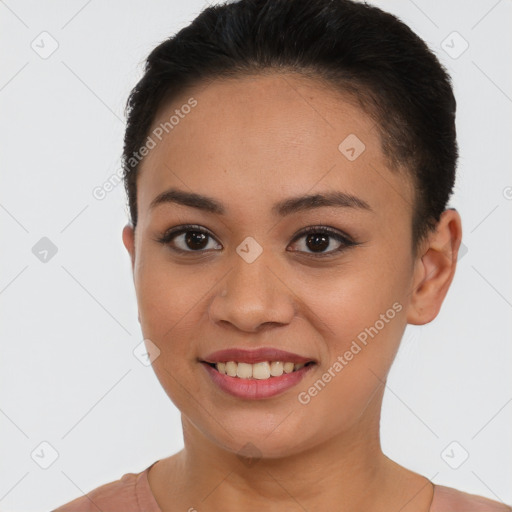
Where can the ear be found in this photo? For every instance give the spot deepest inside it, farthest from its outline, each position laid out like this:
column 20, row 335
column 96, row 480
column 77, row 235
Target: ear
column 434, row 269
column 129, row 242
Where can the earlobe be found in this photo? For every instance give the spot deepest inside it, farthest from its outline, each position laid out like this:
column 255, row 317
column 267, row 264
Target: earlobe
column 435, row 269
column 129, row 242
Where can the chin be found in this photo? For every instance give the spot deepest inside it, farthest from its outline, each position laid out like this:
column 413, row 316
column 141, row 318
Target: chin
column 268, row 443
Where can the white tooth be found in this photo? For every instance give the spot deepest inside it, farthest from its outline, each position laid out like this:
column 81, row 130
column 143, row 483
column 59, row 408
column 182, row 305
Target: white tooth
column 288, row 367
column 244, row 370
column 261, row 370
column 231, row 367
column 298, row 367
column 221, row 368
column 276, row 368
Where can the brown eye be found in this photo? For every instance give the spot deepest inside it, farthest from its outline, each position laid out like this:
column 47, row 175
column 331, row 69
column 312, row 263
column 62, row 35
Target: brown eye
column 317, row 241
column 189, row 239
column 196, row 240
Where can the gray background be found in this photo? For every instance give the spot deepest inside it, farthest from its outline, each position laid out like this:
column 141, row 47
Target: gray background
column 69, row 324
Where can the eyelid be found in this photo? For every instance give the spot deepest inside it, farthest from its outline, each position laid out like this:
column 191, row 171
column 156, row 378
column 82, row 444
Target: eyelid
column 344, row 239
column 175, row 231
column 323, row 229
column 187, row 227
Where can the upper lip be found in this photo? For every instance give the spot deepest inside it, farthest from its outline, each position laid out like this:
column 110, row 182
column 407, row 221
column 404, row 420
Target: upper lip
column 242, row 355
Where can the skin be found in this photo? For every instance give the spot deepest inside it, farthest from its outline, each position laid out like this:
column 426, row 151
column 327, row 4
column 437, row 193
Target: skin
column 251, row 142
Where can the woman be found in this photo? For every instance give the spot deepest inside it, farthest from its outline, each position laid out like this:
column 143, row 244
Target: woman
column 288, row 166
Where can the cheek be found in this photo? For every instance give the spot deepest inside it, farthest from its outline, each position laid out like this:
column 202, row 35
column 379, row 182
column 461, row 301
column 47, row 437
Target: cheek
column 343, row 401
column 168, row 302
column 361, row 352
column 166, row 295
column 168, row 307
column 361, row 315
column 346, row 301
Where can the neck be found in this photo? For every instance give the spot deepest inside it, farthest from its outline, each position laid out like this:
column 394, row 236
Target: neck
column 347, row 472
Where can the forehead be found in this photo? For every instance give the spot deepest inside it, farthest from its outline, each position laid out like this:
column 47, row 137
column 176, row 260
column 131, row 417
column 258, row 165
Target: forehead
column 266, row 135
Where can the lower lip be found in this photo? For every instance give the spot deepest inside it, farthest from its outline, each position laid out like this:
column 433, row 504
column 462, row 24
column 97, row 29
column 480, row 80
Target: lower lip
column 255, row 389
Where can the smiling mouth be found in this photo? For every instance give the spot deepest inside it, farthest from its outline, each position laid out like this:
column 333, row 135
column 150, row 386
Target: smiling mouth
column 258, row 371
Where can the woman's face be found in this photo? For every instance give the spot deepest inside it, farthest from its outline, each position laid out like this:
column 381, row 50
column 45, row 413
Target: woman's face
column 256, row 280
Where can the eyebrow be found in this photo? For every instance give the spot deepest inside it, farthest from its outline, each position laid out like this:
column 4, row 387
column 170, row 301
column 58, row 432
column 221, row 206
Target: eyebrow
column 282, row 208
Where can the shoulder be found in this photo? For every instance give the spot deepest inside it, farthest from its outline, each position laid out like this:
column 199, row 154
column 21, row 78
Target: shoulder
column 448, row 499
column 129, row 494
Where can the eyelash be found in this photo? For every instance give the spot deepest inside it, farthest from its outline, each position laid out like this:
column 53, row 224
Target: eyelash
column 346, row 242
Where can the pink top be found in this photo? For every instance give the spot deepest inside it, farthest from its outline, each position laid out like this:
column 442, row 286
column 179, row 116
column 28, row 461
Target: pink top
column 132, row 493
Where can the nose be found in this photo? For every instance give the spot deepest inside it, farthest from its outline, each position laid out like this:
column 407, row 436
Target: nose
column 253, row 296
